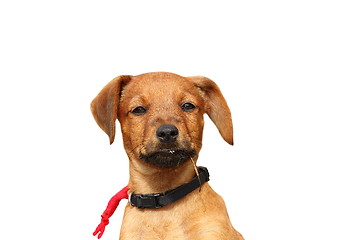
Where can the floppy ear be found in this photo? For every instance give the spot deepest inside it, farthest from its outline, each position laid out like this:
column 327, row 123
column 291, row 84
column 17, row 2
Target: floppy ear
column 215, row 106
column 104, row 107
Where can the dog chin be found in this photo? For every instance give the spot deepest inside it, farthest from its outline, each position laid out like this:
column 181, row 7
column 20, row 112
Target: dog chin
column 168, row 158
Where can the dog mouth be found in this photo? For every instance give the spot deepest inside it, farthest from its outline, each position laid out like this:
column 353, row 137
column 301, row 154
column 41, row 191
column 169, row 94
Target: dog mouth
column 168, row 158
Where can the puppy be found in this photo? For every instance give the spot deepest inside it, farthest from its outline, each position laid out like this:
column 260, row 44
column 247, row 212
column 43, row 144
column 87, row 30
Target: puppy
column 161, row 119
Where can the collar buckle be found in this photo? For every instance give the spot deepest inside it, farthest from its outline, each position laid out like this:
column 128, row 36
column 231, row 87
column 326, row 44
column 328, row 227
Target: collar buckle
column 145, row 200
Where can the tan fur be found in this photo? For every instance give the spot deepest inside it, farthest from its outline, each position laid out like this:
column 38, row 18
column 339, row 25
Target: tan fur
column 199, row 215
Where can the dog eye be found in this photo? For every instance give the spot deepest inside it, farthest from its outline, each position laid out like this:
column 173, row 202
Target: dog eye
column 187, row 107
column 140, row 110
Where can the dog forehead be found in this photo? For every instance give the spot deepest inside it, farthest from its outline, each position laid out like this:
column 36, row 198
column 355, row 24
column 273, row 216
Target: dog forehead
column 159, row 85
column 158, row 76
column 160, row 80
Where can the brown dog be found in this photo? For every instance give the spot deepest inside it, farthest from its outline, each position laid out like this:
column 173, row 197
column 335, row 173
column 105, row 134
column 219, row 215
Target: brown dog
column 161, row 118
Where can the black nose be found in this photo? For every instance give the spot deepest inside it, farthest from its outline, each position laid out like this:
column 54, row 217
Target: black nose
column 167, row 133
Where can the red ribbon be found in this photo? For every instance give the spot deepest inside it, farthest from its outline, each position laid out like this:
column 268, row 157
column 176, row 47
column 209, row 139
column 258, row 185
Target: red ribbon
column 110, row 209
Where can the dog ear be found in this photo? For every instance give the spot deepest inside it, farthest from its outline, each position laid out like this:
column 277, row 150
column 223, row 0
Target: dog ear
column 104, row 107
column 215, row 106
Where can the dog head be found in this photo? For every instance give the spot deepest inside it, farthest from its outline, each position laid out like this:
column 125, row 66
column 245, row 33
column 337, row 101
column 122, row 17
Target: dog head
column 161, row 115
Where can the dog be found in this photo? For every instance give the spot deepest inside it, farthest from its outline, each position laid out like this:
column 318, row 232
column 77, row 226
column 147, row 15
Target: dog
column 161, row 119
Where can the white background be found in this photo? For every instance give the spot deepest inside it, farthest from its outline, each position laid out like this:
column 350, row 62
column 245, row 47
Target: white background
column 288, row 69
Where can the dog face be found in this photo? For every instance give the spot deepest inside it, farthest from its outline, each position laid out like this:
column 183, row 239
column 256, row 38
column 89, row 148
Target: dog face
column 161, row 115
column 161, row 119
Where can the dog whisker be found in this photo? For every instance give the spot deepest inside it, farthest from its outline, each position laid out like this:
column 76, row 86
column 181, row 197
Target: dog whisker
column 196, row 171
column 141, row 146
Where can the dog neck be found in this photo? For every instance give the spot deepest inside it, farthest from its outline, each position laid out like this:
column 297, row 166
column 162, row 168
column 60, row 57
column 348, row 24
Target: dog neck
column 145, row 179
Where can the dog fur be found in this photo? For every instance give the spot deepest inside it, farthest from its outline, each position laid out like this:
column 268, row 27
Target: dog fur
column 143, row 104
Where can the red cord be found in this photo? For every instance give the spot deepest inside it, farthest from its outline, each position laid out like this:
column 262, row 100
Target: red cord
column 110, row 209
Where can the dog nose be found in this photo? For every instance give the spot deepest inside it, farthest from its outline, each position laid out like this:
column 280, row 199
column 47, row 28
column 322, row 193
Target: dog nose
column 167, row 133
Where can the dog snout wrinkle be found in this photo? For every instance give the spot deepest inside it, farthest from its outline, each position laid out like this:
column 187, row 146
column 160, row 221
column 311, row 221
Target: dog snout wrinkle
column 167, row 133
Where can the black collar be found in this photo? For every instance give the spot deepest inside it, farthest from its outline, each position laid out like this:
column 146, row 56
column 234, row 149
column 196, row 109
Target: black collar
column 158, row 200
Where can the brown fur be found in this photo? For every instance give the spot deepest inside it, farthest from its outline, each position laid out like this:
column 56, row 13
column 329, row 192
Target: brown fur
column 200, row 214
